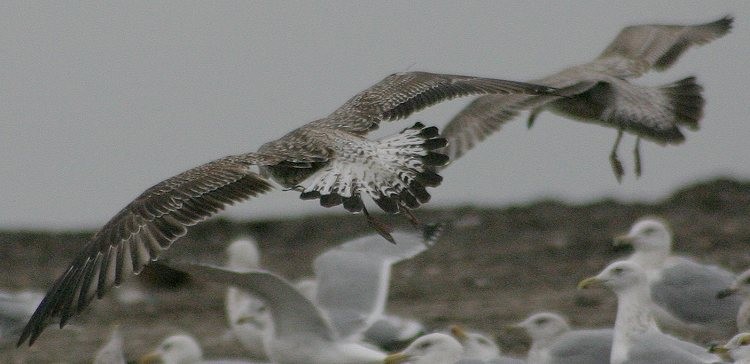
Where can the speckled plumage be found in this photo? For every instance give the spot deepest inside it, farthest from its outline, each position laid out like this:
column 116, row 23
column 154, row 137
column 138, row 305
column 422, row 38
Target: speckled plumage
column 393, row 171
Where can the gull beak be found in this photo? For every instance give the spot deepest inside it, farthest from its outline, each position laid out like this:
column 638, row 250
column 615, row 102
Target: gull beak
column 459, row 333
column 588, row 282
column 396, row 358
column 150, row 358
column 622, row 240
column 726, row 292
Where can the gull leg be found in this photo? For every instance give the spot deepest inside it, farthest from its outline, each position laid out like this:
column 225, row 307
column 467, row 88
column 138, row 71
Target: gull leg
column 381, row 228
column 410, row 215
column 637, row 156
column 614, row 161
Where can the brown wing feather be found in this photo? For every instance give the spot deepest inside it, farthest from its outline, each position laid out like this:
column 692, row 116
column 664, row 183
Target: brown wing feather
column 142, row 230
column 661, row 45
column 401, row 94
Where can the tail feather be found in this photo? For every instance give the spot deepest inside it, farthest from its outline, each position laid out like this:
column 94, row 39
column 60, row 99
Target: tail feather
column 686, row 100
column 393, row 171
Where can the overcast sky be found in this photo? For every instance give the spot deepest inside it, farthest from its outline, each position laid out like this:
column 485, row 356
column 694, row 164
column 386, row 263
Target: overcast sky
column 100, row 101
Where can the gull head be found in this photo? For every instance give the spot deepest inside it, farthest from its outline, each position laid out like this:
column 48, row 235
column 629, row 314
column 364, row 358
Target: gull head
column 618, row 277
column 243, row 254
column 738, row 348
column 646, row 235
column 476, row 345
column 544, row 326
column 740, row 285
column 177, row 349
column 431, row 348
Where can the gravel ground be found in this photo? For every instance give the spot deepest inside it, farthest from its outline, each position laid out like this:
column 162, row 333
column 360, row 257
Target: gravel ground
column 493, row 267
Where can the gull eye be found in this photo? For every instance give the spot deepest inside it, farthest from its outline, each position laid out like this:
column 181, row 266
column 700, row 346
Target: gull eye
column 166, row 346
column 424, row 345
column 649, row 230
column 483, row 341
column 541, row 321
column 618, row 270
column 745, row 341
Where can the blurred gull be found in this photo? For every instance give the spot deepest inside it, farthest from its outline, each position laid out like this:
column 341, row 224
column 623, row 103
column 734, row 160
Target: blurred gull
column 182, row 349
column 352, row 289
column 112, row 352
column 247, row 315
column 433, row 348
column 15, row 310
column 637, row 339
column 738, row 348
column 683, row 290
column 553, row 341
column 740, row 287
column 599, row 92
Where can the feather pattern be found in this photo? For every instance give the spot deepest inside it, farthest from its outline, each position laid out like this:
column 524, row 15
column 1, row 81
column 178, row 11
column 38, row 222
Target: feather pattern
column 598, row 91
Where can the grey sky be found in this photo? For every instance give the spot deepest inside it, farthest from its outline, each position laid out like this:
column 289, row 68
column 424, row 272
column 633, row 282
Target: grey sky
column 100, row 101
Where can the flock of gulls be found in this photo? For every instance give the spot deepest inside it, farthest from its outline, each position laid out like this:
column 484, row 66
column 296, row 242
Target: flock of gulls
column 339, row 315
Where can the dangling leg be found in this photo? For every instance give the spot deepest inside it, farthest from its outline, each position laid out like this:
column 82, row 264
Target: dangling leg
column 381, row 228
column 410, row 216
column 614, row 161
column 532, row 117
column 637, row 156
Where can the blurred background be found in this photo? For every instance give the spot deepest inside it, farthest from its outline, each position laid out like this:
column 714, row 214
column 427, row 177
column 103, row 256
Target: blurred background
column 101, row 101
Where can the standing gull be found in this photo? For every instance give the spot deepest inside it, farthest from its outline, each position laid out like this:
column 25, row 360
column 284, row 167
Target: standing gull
column 112, row 352
column 433, row 348
column 554, row 342
column 684, row 291
column 740, row 287
column 738, row 348
column 247, row 315
column 599, row 92
column 637, row 339
column 330, row 159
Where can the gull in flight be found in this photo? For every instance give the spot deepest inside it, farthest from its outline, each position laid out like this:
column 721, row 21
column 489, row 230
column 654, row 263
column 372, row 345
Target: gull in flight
column 600, row 92
column 329, row 159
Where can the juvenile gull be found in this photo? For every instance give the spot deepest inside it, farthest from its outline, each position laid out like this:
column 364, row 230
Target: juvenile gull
column 330, row 159
column 740, row 287
column 636, row 338
column 554, row 342
column 599, row 92
column 683, row 290
column 738, row 348
column 247, row 315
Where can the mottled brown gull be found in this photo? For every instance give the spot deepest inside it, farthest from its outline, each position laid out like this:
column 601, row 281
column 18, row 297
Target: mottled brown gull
column 599, row 92
column 330, row 159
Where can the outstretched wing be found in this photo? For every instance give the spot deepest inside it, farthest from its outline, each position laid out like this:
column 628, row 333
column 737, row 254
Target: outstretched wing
column 401, row 94
column 659, row 46
column 488, row 113
column 142, row 230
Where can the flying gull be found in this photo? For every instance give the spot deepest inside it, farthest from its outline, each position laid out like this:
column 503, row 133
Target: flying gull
column 683, row 290
column 599, row 92
column 636, row 337
column 330, row 159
